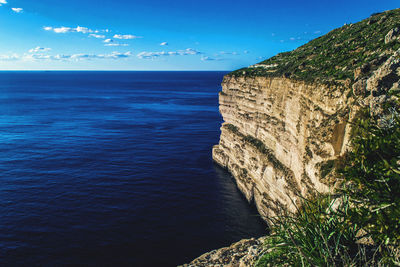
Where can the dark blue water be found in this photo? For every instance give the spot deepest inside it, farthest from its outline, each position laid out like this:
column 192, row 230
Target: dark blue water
column 114, row 169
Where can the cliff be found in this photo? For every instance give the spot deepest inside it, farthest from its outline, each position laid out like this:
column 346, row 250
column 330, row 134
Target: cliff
column 286, row 120
column 277, row 135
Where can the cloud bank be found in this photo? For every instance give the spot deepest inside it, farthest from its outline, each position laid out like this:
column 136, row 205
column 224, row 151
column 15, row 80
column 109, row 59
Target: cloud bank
column 60, row 57
column 152, row 55
column 115, row 44
column 64, row 29
column 126, row 36
column 98, row 36
column 39, row 49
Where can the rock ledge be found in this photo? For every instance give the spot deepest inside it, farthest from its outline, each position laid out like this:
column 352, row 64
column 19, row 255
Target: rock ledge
column 246, row 252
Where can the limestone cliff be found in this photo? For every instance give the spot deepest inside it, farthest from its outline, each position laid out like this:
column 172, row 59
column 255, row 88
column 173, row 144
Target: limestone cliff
column 277, row 135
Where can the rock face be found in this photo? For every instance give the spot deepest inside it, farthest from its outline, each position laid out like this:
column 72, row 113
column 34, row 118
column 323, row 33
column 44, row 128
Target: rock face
column 277, row 136
column 243, row 253
column 280, row 137
column 392, row 35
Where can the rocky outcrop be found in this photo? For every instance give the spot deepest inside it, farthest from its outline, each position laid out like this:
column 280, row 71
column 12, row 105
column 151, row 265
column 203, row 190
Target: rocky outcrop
column 386, row 77
column 392, row 35
column 243, row 253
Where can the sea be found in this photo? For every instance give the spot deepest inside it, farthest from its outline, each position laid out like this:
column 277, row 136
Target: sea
column 114, row 169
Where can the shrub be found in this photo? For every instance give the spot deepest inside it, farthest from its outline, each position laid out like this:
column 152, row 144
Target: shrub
column 318, row 235
column 373, row 177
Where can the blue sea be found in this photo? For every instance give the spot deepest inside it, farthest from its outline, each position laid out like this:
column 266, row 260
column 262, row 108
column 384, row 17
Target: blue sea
column 114, row 169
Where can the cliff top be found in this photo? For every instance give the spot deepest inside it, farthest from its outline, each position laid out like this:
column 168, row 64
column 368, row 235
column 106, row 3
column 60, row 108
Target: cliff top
column 340, row 57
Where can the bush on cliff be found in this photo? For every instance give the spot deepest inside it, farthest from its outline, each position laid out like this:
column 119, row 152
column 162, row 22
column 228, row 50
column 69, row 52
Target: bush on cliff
column 373, row 177
column 316, row 236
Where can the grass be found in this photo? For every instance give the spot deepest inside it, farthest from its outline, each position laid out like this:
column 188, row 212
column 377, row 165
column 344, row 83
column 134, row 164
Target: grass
column 318, row 235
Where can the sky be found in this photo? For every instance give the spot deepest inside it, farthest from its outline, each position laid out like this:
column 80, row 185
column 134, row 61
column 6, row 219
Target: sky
column 165, row 35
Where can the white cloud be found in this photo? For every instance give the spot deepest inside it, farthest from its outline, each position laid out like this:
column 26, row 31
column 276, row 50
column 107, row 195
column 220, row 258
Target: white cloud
column 115, row 44
column 113, row 55
column 83, row 29
column 108, row 41
column 148, row 55
column 63, row 29
column 228, row 53
column 189, row 51
column 39, row 49
column 17, row 9
column 164, row 43
column 151, row 55
column 60, row 57
column 3, row 2
column 59, row 29
column 33, row 57
column 207, row 59
column 98, row 36
column 9, row 57
column 126, row 36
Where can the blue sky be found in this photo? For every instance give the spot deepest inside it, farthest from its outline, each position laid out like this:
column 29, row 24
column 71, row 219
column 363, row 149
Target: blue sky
column 164, row 35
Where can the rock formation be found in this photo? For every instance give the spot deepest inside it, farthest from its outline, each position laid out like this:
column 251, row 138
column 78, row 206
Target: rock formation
column 277, row 135
column 240, row 254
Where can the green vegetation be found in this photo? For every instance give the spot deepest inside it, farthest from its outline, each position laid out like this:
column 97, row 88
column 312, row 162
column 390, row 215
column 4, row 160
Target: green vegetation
column 333, row 58
column 316, row 236
column 374, row 176
column 361, row 225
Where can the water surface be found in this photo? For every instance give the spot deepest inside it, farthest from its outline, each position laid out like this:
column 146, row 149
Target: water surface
column 114, row 169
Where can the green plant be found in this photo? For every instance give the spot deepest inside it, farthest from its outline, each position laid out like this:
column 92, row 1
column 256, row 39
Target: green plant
column 318, row 235
column 373, row 178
